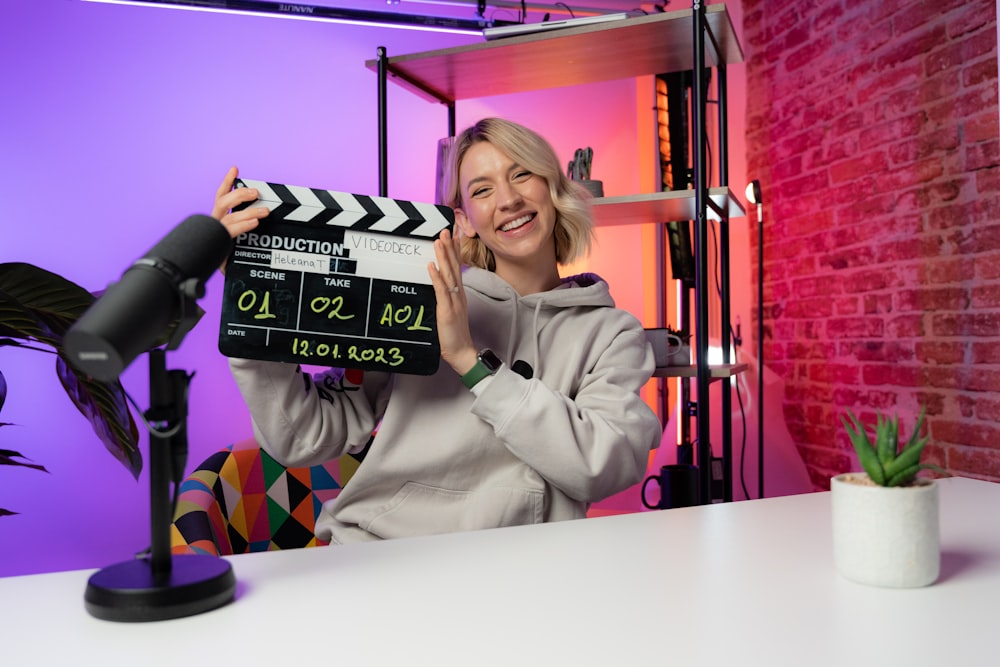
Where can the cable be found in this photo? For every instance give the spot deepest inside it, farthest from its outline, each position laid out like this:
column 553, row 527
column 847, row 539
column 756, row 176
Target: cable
column 149, row 427
column 563, row 4
column 157, row 433
column 743, row 443
column 732, row 333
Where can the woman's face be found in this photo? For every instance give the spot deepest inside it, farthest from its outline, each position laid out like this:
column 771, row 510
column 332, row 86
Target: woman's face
column 507, row 206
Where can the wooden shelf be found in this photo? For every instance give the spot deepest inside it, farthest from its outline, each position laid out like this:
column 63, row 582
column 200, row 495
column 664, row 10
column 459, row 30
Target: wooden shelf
column 659, row 207
column 639, row 46
column 718, row 371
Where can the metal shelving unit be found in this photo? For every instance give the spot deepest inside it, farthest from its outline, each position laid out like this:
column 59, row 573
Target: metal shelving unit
column 684, row 40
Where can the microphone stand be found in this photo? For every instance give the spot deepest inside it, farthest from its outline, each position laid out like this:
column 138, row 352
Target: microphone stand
column 159, row 586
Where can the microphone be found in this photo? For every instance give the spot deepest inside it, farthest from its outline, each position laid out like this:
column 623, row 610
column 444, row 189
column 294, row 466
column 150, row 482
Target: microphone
column 156, row 290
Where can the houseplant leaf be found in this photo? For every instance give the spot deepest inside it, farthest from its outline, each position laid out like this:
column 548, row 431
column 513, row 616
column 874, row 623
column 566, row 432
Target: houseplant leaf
column 38, row 307
column 105, row 406
column 867, row 455
column 8, row 456
column 885, row 463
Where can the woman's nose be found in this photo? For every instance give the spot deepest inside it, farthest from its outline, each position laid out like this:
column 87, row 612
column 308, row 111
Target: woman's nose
column 509, row 196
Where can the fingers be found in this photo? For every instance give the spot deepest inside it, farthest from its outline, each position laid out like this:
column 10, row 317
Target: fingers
column 227, row 198
column 457, row 349
column 446, row 276
column 449, row 265
column 226, row 186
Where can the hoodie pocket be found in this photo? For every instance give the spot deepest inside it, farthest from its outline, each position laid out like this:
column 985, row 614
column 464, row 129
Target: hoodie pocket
column 419, row 509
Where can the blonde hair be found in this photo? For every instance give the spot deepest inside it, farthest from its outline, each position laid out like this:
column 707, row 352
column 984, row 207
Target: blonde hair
column 574, row 228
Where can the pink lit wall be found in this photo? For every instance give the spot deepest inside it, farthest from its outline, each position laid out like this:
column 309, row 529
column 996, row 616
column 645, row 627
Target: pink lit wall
column 117, row 122
column 882, row 280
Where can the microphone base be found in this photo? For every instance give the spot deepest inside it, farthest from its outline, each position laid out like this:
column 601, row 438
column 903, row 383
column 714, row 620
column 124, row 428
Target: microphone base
column 132, row 592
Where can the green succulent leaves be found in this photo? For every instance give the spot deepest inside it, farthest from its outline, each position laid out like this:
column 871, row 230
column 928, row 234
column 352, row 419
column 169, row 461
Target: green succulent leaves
column 885, row 464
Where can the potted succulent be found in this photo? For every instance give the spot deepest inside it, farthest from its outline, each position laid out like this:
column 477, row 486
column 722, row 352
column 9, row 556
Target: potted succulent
column 36, row 309
column 885, row 520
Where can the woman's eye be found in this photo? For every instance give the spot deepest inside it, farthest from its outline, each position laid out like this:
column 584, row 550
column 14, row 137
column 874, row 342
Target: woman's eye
column 479, row 191
column 521, row 175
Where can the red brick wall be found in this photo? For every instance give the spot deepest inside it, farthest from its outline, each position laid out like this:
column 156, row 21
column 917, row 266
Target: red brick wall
column 873, row 127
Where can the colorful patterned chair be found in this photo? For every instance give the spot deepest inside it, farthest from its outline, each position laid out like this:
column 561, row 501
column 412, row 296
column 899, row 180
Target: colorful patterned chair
column 241, row 500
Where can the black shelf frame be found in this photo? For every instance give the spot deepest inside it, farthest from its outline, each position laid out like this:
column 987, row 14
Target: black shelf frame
column 712, row 47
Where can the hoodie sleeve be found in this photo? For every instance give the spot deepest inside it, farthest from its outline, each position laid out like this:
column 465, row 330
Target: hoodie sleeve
column 303, row 420
column 591, row 444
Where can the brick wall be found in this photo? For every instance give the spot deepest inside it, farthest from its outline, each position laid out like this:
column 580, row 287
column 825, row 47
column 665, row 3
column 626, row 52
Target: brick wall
column 873, row 127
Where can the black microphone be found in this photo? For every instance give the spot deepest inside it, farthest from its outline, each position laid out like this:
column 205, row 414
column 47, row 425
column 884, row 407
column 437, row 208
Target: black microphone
column 155, row 291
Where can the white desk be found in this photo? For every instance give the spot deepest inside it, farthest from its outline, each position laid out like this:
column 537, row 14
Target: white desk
column 749, row 583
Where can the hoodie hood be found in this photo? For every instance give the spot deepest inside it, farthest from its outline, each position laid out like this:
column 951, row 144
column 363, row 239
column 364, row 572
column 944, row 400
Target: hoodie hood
column 522, row 318
column 585, row 289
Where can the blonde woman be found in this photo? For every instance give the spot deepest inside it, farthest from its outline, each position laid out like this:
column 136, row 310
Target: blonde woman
column 535, row 412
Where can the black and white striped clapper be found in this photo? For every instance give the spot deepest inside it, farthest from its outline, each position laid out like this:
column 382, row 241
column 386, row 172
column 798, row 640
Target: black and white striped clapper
column 341, row 209
column 334, row 279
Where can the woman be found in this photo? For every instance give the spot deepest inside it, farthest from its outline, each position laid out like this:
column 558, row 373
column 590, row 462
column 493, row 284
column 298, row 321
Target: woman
column 534, row 413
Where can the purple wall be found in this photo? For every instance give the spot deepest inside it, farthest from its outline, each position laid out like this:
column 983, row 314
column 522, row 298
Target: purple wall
column 117, row 122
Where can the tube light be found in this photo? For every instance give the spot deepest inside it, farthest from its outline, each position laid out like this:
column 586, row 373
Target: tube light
column 318, row 13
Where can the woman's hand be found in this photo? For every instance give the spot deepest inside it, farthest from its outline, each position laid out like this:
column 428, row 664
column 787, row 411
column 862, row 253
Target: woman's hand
column 226, row 198
column 457, row 348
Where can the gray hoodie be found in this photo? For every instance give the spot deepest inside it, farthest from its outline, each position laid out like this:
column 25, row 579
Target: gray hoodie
column 517, row 450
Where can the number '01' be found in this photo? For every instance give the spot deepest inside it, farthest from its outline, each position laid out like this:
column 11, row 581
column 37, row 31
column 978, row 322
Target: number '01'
column 248, row 300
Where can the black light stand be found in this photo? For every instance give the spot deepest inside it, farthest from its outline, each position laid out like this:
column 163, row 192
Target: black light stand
column 159, row 586
column 754, row 197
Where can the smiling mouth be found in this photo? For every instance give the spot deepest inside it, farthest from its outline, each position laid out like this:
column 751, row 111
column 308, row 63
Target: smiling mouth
column 520, row 222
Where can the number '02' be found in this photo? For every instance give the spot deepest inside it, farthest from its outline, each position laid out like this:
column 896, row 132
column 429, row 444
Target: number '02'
column 248, row 300
column 322, row 303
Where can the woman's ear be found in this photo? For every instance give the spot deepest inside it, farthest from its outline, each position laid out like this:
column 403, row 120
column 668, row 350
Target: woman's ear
column 463, row 224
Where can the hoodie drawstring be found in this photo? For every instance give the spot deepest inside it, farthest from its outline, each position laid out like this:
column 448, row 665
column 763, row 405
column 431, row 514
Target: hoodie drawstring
column 536, row 360
column 512, row 335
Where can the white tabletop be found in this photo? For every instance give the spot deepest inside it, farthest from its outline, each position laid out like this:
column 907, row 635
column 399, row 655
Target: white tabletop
column 747, row 583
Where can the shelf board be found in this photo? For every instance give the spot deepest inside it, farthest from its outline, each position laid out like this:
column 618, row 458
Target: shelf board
column 659, row 207
column 718, row 371
column 638, row 46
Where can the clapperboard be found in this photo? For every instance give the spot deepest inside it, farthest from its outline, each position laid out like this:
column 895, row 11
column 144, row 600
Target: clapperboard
column 334, row 279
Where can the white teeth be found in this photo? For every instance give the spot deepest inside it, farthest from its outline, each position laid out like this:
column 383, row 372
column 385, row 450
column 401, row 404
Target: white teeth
column 514, row 224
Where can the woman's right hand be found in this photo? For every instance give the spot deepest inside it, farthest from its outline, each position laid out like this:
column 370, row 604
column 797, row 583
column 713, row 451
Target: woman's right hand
column 238, row 222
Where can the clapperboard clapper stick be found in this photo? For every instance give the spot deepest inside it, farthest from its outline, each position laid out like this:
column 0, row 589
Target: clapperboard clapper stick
column 334, row 279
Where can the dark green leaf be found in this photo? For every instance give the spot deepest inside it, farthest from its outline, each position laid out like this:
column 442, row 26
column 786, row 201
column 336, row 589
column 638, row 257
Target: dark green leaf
column 105, row 406
column 7, row 457
column 37, row 306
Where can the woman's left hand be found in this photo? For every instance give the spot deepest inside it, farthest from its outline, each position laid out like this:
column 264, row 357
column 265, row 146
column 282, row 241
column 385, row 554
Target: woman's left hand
column 457, row 347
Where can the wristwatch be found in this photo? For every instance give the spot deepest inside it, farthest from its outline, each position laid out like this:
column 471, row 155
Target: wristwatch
column 487, row 363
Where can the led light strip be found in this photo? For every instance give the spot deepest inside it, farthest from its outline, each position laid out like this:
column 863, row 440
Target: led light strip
column 318, row 13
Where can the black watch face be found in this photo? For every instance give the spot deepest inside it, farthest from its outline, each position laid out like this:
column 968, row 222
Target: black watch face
column 490, row 360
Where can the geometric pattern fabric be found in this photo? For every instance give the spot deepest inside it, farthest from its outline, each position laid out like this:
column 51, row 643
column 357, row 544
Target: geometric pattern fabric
column 241, row 500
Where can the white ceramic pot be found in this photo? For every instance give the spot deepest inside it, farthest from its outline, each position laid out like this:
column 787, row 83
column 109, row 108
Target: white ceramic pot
column 886, row 536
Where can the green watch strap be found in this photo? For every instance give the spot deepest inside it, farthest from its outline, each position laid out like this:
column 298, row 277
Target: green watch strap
column 476, row 374
column 487, row 363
